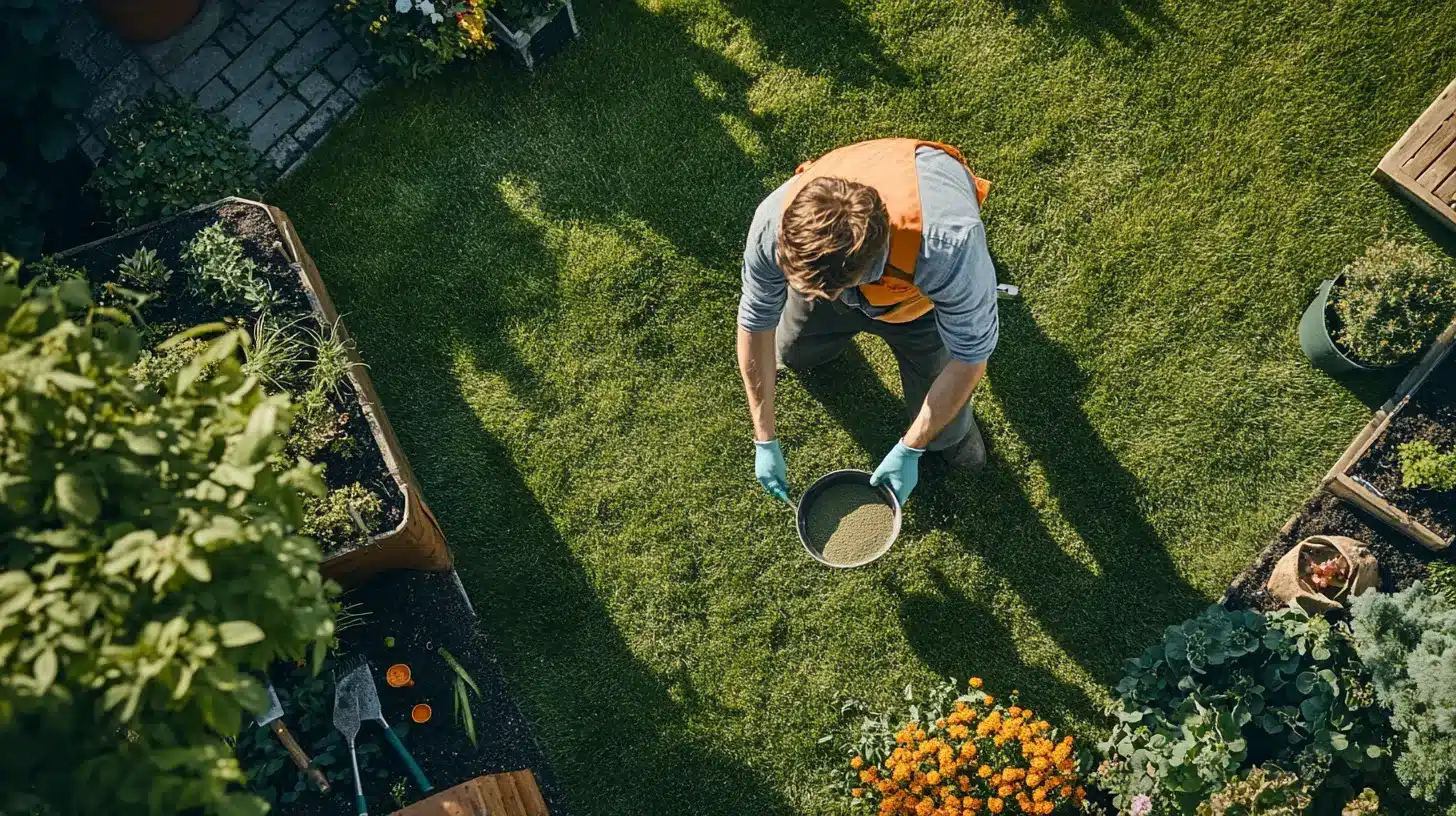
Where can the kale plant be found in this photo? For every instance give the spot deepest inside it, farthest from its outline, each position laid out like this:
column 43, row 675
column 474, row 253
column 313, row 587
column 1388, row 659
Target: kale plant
column 1422, row 465
column 1228, row 688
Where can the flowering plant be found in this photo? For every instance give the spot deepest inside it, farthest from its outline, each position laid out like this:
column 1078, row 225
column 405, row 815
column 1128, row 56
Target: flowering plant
column 959, row 755
column 418, row 38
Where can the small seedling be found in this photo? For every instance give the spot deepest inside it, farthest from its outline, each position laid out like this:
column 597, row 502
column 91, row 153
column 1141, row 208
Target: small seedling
column 396, row 792
column 145, row 270
column 347, row 616
column 389, row 643
column 464, row 684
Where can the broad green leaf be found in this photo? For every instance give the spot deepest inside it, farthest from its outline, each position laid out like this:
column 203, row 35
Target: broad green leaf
column 46, row 667
column 239, row 633
column 76, row 497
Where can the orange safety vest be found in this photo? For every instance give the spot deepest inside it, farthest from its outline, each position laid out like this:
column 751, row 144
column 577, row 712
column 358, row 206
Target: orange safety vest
column 888, row 165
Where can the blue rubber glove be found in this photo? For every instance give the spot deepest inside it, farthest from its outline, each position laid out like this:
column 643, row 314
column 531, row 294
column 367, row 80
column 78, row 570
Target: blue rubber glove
column 768, row 466
column 900, row 469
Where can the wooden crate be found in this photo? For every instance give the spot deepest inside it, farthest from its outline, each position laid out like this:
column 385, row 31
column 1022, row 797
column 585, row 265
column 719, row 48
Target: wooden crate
column 1341, row 480
column 1422, row 165
column 503, row 794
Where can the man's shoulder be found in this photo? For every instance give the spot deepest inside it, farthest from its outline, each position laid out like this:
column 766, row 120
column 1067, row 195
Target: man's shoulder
column 763, row 232
column 947, row 198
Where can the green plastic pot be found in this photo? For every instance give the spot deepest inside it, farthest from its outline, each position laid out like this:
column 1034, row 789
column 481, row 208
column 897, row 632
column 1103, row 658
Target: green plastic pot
column 1317, row 341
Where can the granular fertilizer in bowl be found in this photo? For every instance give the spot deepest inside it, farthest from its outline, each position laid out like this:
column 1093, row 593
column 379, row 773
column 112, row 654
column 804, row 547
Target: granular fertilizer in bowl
column 848, row 523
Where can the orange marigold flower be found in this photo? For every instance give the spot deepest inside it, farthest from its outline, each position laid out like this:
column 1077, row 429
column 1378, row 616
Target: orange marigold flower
column 1033, row 779
column 866, row 775
column 857, row 792
column 1005, row 790
column 964, row 782
column 856, row 763
column 1039, row 763
column 1045, row 808
column 1014, row 711
column 1066, row 791
column 1079, row 794
column 975, row 682
column 995, row 805
column 933, row 777
column 988, row 699
column 940, row 723
column 984, row 771
column 925, row 808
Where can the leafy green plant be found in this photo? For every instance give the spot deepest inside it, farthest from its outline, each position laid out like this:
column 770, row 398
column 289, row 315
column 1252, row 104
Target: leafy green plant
column 39, row 90
column 1422, row 465
column 168, row 156
column 275, row 354
column 1441, row 578
column 50, row 272
column 155, row 368
column 1260, row 792
column 343, row 516
column 308, row 704
column 413, row 39
column 316, row 425
column 1407, row 640
column 1366, row 804
column 1394, row 299
column 145, row 270
column 150, row 565
column 519, row 12
column 222, row 269
column 464, row 684
column 1228, row 685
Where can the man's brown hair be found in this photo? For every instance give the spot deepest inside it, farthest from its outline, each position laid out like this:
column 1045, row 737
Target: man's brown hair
column 830, row 234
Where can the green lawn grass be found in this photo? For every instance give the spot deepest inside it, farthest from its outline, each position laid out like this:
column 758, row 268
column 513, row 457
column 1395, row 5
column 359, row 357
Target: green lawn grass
column 542, row 273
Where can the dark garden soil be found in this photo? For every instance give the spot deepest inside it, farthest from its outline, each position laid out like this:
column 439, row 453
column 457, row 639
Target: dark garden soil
column 1402, row 561
column 421, row 612
column 1430, row 415
column 182, row 307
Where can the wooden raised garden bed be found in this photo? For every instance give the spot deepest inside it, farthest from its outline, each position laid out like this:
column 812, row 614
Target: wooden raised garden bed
column 539, row 37
column 362, row 449
column 1368, row 475
column 1422, row 165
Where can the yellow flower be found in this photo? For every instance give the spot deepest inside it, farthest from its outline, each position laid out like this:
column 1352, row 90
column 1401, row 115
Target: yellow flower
column 933, row 777
column 857, row 792
column 994, row 805
column 856, row 763
column 985, row 771
column 976, row 682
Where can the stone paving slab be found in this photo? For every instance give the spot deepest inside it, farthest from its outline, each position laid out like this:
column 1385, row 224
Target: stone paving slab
column 278, row 69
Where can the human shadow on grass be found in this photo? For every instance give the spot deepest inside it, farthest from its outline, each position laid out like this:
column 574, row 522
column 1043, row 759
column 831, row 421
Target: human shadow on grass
column 956, row 637
column 1126, row 22
column 613, row 735
column 1099, row 616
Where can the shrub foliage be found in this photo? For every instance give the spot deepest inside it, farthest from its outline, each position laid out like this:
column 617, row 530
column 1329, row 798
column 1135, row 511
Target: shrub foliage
column 150, row 565
column 1395, row 298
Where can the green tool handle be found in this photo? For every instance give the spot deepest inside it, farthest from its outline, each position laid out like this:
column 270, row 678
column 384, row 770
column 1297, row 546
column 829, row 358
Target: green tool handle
column 360, row 806
column 409, row 761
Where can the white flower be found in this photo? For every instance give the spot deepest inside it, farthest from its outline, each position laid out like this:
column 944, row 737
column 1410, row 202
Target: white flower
column 401, row 6
column 427, row 8
column 437, row 18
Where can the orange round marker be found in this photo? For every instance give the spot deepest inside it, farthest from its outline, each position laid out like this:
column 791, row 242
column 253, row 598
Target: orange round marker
column 398, row 676
column 421, row 713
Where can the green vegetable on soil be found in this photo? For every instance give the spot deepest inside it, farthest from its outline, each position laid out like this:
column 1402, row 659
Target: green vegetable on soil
column 848, row 523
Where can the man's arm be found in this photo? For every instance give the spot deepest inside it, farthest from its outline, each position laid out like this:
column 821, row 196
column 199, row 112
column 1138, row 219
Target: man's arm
column 947, row 395
column 757, row 366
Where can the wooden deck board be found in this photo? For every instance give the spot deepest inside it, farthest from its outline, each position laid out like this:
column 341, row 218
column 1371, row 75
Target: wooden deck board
column 1422, row 164
column 503, row 794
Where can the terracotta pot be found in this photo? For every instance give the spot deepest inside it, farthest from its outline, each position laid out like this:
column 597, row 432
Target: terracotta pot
column 145, row 21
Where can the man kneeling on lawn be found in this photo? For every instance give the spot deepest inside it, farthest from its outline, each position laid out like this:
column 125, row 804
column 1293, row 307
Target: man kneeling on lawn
column 883, row 237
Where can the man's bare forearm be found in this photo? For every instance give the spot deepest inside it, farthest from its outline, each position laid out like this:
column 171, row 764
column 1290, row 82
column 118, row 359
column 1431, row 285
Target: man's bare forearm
column 757, row 365
column 948, row 394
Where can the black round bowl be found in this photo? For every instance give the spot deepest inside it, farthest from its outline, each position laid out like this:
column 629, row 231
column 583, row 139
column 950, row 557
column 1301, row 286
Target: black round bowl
column 829, row 480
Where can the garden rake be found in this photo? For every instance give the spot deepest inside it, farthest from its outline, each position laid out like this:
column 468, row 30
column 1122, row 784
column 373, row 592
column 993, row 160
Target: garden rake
column 356, row 699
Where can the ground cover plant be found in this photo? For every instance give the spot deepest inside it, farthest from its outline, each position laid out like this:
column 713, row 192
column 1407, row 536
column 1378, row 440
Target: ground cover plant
column 544, row 286
column 1392, row 300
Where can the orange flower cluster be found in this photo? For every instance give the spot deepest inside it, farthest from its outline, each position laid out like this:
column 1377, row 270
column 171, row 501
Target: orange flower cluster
column 981, row 758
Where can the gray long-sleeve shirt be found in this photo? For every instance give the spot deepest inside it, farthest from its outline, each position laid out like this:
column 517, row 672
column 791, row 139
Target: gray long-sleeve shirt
column 953, row 270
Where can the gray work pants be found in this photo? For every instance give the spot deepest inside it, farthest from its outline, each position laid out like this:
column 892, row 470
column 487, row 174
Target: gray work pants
column 813, row 332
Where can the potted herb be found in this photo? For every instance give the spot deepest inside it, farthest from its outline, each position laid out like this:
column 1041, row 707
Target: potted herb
column 1380, row 312
column 145, row 21
column 534, row 29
